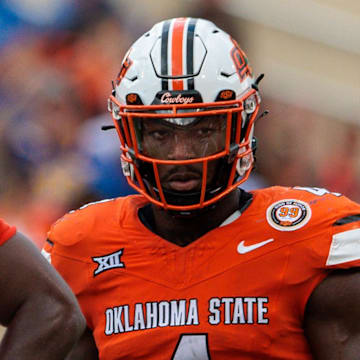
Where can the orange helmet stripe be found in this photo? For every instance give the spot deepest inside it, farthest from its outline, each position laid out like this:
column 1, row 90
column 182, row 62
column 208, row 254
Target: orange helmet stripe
column 177, row 52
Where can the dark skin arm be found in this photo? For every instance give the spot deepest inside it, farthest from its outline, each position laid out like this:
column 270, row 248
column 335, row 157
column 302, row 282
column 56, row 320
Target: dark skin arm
column 41, row 313
column 85, row 349
column 332, row 317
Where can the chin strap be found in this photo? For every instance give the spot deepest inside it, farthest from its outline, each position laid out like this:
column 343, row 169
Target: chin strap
column 107, row 127
column 255, row 85
column 263, row 114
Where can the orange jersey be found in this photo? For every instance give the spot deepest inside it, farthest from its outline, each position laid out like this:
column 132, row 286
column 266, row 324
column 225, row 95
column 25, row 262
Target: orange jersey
column 238, row 292
column 6, row 231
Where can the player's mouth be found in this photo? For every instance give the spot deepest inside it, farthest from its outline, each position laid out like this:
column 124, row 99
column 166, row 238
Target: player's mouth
column 184, row 182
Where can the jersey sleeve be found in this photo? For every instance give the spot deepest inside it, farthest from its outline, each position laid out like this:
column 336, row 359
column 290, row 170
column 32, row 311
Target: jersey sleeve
column 344, row 251
column 6, row 231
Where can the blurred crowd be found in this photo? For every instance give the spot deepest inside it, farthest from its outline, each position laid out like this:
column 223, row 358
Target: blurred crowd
column 56, row 65
column 55, row 81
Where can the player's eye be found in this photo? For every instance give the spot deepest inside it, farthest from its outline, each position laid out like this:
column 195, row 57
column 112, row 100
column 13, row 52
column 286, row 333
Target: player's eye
column 205, row 131
column 160, row 135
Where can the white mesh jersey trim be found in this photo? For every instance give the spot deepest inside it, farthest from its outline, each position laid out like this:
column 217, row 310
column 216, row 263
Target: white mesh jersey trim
column 345, row 247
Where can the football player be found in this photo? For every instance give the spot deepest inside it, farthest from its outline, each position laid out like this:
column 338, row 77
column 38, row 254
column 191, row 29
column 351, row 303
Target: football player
column 41, row 313
column 194, row 267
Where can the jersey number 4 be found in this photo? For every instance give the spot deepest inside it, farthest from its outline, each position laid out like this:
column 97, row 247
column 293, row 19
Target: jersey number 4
column 317, row 191
column 192, row 347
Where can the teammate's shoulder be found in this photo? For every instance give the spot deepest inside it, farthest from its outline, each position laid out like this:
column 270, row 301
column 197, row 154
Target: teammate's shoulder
column 90, row 219
column 6, row 231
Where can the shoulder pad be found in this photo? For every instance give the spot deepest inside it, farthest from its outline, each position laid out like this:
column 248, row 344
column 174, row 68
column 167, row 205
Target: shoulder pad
column 78, row 224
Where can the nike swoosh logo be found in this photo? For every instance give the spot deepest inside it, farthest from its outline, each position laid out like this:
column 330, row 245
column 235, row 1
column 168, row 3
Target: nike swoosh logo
column 243, row 249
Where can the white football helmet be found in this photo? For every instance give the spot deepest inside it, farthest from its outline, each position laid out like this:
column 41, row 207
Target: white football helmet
column 182, row 71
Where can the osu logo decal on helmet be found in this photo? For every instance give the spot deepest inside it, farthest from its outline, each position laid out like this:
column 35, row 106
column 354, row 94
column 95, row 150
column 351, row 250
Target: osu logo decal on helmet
column 186, row 83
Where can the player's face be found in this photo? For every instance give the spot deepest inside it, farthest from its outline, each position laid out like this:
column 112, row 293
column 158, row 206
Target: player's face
column 162, row 140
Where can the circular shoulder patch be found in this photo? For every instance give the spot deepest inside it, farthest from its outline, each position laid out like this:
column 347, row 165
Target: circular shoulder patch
column 288, row 214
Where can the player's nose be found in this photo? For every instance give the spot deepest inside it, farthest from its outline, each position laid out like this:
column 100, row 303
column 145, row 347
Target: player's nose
column 183, row 147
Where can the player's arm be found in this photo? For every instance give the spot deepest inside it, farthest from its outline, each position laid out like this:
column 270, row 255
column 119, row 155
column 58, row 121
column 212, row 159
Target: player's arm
column 85, row 348
column 41, row 313
column 332, row 317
